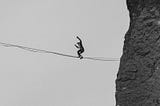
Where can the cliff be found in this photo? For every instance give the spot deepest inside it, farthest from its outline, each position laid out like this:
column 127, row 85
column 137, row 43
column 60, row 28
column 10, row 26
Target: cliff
column 138, row 78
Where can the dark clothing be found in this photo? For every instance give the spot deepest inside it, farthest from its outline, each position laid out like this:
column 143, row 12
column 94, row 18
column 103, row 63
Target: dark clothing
column 79, row 52
column 80, row 47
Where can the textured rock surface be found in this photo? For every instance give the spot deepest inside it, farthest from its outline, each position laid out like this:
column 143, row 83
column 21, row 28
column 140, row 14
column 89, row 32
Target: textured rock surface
column 138, row 78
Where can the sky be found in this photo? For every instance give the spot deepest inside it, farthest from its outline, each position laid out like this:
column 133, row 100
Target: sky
column 35, row 79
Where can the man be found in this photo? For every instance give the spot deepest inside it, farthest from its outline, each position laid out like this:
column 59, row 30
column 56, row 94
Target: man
column 80, row 47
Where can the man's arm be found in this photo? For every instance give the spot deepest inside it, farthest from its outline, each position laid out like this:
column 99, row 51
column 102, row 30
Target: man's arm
column 77, row 46
column 79, row 39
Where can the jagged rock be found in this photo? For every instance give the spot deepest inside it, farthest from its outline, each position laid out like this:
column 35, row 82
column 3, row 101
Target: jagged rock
column 138, row 78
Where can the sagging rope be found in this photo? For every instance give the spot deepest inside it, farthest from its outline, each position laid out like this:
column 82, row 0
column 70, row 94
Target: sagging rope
column 61, row 54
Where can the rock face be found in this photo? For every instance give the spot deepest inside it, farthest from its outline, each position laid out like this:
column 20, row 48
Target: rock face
column 138, row 78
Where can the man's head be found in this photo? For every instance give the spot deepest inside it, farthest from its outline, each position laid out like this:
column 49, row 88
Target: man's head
column 79, row 43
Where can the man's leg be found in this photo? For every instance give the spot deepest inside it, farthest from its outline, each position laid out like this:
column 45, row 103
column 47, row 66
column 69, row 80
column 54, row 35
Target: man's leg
column 80, row 52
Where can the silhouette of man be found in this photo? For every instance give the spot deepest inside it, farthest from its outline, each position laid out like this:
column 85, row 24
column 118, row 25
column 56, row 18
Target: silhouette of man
column 80, row 47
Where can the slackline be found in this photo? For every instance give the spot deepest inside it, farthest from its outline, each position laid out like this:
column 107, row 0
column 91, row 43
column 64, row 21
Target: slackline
column 57, row 53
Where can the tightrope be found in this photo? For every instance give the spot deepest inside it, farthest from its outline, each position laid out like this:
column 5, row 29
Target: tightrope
column 56, row 53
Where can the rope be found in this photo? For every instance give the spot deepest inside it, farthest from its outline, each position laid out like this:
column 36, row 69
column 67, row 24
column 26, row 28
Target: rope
column 56, row 53
column 102, row 58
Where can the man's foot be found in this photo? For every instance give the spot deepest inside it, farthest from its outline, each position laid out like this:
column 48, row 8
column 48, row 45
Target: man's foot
column 81, row 57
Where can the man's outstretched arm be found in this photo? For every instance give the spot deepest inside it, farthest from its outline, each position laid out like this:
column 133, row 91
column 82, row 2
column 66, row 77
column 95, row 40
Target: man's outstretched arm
column 79, row 39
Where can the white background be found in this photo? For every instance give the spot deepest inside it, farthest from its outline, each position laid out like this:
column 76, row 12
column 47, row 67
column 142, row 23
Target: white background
column 33, row 79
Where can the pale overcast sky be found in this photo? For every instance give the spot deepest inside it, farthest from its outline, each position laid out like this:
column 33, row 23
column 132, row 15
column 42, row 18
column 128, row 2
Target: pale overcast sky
column 33, row 79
